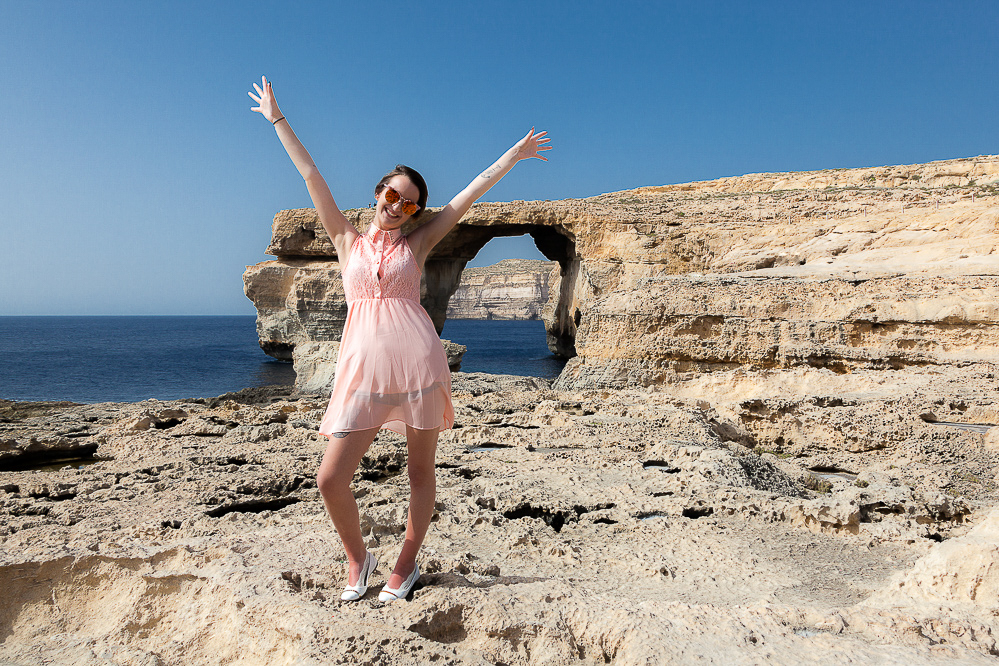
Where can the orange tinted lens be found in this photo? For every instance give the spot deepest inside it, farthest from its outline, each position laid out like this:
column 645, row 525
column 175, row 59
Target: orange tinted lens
column 391, row 197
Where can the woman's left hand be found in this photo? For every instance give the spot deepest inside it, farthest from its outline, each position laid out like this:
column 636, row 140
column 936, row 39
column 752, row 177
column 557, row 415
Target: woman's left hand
column 266, row 104
column 531, row 145
column 423, row 239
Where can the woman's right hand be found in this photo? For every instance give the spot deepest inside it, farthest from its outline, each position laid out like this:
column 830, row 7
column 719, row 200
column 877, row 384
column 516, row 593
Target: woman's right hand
column 267, row 105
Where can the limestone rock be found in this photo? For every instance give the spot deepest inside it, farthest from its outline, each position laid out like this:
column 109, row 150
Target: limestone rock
column 315, row 366
column 510, row 289
column 992, row 439
column 963, row 571
column 823, row 515
column 701, row 324
column 297, row 300
column 203, row 538
column 843, row 269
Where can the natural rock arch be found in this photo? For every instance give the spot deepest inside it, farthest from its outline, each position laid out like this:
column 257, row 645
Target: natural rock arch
column 835, row 270
column 299, row 296
column 443, row 269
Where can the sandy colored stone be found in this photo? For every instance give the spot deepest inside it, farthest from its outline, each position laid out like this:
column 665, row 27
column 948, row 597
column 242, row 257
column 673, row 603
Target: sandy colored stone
column 963, row 571
column 510, row 289
column 835, row 268
column 572, row 527
column 297, row 300
column 775, row 444
column 992, row 439
column 315, row 364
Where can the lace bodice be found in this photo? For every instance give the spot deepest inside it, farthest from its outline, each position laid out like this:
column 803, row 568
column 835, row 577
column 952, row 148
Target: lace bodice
column 381, row 265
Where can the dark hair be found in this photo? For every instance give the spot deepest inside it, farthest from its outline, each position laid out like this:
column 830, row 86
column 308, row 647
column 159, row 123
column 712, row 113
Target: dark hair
column 414, row 176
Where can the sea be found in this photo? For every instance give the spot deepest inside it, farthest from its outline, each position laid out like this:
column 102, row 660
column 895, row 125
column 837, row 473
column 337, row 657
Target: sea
column 128, row 359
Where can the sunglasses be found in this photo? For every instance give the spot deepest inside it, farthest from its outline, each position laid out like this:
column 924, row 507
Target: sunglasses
column 391, row 197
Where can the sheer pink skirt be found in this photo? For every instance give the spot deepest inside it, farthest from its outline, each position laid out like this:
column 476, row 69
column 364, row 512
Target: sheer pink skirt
column 391, row 371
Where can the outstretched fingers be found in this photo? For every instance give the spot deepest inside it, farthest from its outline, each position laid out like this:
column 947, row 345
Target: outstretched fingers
column 260, row 90
column 263, row 95
column 533, row 143
column 257, row 98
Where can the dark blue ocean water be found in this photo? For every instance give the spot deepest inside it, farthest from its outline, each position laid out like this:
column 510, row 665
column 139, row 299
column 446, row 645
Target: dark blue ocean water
column 127, row 359
column 504, row 347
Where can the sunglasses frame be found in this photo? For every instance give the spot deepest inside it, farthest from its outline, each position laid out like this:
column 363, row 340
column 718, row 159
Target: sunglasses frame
column 392, row 196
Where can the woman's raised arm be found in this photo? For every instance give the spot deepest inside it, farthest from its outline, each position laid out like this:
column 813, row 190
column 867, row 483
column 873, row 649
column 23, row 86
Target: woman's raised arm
column 340, row 231
column 423, row 239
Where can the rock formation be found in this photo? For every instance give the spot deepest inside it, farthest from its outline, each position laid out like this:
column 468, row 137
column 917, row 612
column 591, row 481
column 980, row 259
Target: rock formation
column 777, row 442
column 839, row 269
column 571, row 527
column 510, row 289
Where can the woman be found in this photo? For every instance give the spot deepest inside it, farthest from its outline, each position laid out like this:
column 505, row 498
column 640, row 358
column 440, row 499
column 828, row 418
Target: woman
column 391, row 369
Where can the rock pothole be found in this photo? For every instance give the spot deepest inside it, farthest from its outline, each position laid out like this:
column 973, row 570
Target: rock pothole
column 443, row 626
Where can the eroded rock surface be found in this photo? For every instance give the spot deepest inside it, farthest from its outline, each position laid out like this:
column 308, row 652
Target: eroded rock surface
column 510, row 289
column 856, row 268
column 777, row 442
column 572, row 527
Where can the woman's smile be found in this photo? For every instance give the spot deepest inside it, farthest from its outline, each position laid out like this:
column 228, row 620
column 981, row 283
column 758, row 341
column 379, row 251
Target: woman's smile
column 390, row 216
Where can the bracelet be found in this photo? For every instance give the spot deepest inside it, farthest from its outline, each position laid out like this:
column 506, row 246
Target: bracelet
column 278, row 120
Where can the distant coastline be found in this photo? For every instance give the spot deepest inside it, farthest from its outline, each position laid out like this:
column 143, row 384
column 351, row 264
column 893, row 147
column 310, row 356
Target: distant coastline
column 509, row 289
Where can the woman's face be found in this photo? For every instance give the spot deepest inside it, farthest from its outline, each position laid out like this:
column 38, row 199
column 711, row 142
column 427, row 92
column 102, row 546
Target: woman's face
column 390, row 216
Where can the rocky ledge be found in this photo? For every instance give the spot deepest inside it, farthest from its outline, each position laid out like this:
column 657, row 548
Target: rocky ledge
column 726, row 521
column 843, row 269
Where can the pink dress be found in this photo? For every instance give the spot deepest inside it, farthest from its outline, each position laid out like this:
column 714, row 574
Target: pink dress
column 391, row 369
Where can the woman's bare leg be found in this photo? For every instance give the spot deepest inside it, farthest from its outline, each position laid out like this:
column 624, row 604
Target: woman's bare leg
column 343, row 455
column 422, row 445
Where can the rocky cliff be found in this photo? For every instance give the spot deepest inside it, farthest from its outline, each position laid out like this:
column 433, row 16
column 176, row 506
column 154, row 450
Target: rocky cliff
column 800, row 467
column 839, row 269
column 510, row 289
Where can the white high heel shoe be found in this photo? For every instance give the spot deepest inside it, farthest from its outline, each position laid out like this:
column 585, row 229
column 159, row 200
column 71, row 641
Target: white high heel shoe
column 388, row 594
column 356, row 591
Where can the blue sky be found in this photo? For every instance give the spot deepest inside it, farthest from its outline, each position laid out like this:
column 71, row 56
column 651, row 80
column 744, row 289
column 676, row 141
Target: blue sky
column 135, row 180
